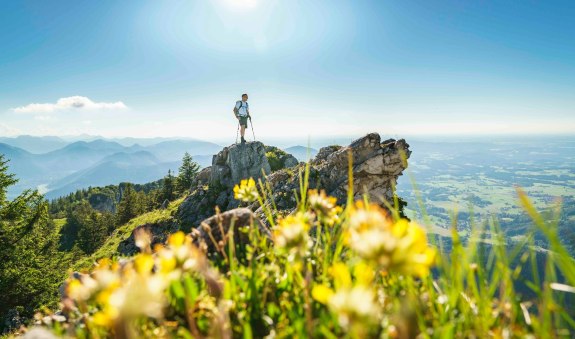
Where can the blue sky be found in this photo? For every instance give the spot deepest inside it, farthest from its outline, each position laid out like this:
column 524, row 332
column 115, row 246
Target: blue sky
column 312, row 68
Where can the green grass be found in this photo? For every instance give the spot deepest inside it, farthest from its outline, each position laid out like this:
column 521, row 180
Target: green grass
column 110, row 246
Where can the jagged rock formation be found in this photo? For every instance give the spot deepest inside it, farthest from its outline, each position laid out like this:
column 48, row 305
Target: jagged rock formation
column 376, row 167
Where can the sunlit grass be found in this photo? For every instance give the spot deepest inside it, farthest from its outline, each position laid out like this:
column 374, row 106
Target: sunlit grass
column 109, row 248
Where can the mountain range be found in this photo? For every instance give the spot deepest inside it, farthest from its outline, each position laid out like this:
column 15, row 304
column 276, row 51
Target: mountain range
column 58, row 166
column 82, row 164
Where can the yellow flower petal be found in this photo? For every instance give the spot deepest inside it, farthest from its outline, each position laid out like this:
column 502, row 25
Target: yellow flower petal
column 101, row 319
column 144, row 263
column 321, row 293
column 177, row 239
column 363, row 274
column 341, row 275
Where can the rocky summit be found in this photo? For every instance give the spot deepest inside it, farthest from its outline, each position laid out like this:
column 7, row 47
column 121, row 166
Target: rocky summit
column 237, row 162
column 376, row 166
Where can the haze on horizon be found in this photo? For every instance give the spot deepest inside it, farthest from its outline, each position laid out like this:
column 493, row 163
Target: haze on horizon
column 337, row 68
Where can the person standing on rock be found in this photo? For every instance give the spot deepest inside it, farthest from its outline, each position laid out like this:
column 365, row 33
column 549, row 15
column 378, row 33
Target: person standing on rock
column 242, row 113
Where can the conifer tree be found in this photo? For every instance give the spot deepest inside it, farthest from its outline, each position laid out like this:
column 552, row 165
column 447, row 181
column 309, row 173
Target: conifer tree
column 187, row 173
column 168, row 187
column 129, row 206
column 28, row 258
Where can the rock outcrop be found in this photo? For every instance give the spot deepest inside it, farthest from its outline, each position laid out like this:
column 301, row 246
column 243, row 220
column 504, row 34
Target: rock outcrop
column 238, row 162
column 217, row 226
column 213, row 186
column 102, row 202
column 376, row 167
column 158, row 232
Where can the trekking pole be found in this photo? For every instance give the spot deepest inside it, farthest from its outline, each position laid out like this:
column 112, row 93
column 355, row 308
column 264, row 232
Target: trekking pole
column 251, row 124
column 238, row 132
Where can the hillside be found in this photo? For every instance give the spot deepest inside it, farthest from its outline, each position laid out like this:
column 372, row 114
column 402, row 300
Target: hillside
column 265, row 248
column 297, row 223
column 213, row 187
column 112, row 247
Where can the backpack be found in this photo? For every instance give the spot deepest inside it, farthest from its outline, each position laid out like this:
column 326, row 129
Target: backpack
column 242, row 105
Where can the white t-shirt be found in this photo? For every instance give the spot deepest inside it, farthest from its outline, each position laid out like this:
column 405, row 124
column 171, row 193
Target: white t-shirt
column 242, row 107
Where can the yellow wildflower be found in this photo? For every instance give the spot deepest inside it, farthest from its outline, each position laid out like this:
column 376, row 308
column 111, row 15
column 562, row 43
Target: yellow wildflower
column 166, row 260
column 177, row 239
column 351, row 303
column 144, row 263
column 341, row 276
column 320, row 202
column 363, row 274
column 292, row 231
column 324, row 206
column 355, row 304
column 77, row 291
column 246, row 191
column 102, row 318
column 399, row 246
column 368, row 217
column 322, row 293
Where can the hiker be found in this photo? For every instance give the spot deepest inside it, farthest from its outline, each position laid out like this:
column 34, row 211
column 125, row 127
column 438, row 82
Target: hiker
column 242, row 113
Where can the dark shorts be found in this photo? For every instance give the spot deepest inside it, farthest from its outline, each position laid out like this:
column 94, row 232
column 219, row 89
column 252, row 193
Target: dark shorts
column 243, row 121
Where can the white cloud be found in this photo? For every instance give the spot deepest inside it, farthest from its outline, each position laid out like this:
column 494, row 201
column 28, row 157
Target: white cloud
column 43, row 117
column 70, row 103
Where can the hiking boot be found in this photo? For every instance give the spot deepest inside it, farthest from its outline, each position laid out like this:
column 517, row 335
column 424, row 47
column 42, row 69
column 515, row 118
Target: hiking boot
column 243, row 140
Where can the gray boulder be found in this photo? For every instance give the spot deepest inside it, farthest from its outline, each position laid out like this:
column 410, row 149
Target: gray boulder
column 289, row 161
column 324, row 152
column 203, row 177
column 210, row 230
column 237, row 162
column 213, row 186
